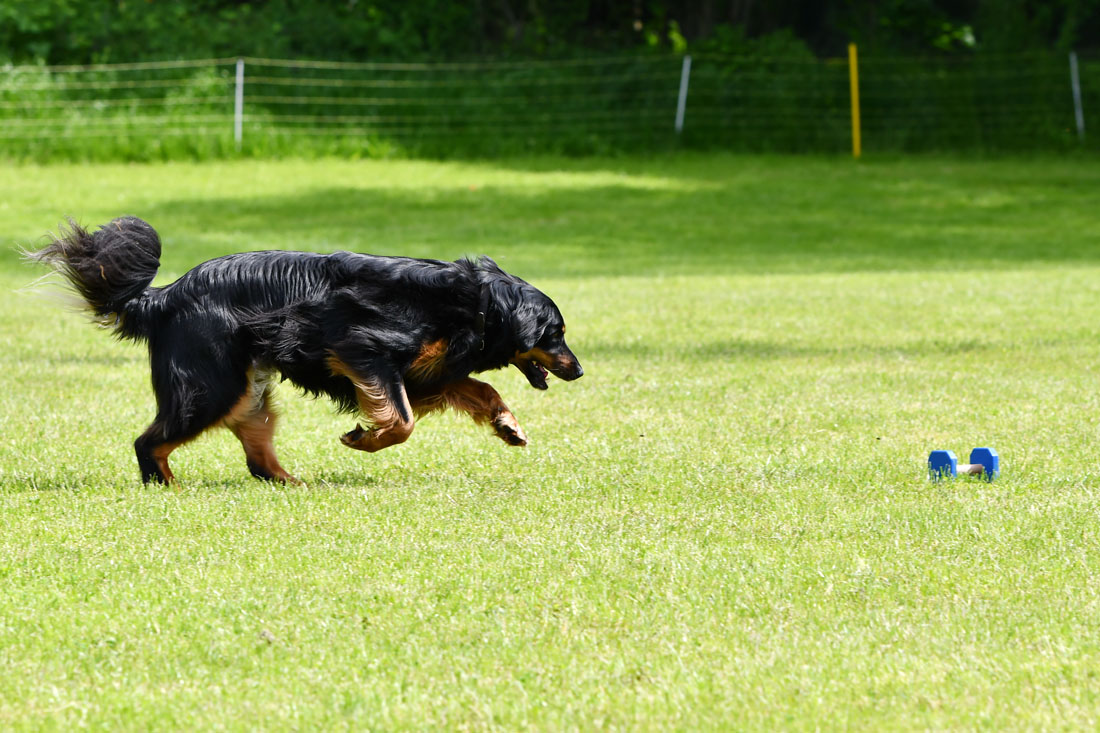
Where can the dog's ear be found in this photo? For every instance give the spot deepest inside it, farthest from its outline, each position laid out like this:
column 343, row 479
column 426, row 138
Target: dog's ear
column 527, row 327
column 520, row 313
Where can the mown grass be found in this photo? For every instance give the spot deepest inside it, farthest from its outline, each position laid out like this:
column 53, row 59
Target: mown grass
column 724, row 524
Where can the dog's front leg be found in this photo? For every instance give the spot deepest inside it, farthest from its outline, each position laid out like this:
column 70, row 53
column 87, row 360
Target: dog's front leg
column 484, row 404
column 384, row 404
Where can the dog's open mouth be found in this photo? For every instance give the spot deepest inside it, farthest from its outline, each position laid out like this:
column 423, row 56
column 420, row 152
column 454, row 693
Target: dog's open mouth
column 535, row 372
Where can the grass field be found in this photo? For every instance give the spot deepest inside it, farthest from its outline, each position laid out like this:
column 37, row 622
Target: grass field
column 725, row 524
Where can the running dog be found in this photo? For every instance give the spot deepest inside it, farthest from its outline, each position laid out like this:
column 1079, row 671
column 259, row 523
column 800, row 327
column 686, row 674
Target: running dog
column 392, row 338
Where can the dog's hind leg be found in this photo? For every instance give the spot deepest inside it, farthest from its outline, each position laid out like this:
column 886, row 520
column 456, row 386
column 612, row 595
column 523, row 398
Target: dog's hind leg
column 483, row 403
column 152, row 452
column 384, row 403
column 252, row 420
column 171, row 429
column 195, row 391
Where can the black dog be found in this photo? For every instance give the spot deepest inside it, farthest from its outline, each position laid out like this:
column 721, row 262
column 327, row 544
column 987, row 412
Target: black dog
column 392, row 337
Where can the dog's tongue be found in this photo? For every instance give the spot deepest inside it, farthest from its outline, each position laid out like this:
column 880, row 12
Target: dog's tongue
column 535, row 374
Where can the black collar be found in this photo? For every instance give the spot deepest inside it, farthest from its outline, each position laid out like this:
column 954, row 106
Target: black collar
column 482, row 309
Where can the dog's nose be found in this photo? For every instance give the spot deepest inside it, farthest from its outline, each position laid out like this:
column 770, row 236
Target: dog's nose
column 578, row 371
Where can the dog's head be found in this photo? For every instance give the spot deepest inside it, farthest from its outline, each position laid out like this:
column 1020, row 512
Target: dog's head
column 537, row 330
column 543, row 348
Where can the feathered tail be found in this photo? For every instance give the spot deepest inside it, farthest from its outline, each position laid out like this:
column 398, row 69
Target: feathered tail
column 111, row 269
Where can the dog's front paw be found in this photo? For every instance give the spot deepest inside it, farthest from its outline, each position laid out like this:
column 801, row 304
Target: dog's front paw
column 508, row 429
column 355, row 438
column 376, row 438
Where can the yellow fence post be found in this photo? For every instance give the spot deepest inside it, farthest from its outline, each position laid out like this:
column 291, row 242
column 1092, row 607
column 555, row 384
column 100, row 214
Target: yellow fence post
column 853, row 76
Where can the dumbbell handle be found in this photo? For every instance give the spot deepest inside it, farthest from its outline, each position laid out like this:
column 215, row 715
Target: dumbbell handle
column 971, row 469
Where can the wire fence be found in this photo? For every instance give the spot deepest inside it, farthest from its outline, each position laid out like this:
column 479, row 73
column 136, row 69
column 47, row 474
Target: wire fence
column 251, row 106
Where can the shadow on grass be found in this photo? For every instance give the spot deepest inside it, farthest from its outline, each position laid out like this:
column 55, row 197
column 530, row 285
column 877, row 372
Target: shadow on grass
column 110, row 361
column 820, row 217
column 736, row 350
column 675, row 215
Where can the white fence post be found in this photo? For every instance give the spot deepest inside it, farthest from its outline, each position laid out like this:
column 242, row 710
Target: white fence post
column 681, row 103
column 238, row 105
column 1075, row 83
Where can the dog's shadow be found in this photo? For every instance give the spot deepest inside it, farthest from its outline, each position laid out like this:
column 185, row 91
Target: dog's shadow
column 340, row 480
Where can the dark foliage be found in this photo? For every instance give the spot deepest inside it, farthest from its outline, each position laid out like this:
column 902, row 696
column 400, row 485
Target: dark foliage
column 82, row 31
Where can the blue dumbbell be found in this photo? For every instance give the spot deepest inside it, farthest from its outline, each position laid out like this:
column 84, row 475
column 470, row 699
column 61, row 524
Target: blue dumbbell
column 983, row 461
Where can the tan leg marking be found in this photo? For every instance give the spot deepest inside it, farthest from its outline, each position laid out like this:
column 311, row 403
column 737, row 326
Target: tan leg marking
column 481, row 402
column 160, row 455
column 390, row 425
column 257, row 434
column 253, row 420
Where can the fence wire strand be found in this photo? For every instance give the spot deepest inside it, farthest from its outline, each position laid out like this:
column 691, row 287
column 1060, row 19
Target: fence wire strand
column 627, row 101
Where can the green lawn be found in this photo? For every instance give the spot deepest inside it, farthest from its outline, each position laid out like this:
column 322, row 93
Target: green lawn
column 726, row 524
